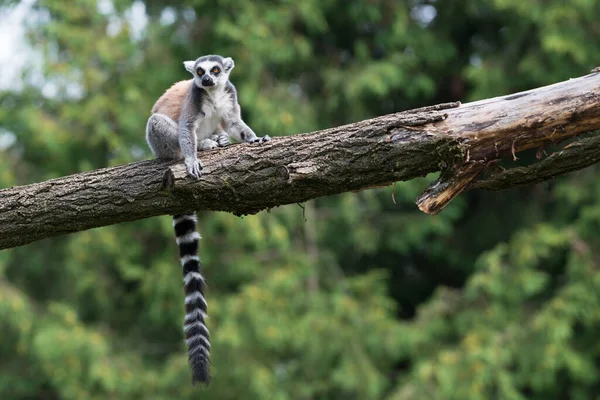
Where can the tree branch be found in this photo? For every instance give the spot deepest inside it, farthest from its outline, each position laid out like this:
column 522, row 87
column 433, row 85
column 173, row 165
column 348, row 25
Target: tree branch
column 460, row 140
column 573, row 157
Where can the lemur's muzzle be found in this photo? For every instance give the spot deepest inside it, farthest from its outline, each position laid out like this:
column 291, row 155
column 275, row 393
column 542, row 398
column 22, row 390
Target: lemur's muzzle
column 207, row 81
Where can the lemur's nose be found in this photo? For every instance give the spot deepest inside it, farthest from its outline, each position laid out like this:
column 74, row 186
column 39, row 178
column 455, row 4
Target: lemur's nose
column 207, row 81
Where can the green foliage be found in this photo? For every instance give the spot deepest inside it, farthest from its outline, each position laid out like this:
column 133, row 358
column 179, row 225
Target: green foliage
column 356, row 296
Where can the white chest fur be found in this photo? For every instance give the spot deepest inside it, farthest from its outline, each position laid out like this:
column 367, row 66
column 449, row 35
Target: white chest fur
column 219, row 102
column 215, row 106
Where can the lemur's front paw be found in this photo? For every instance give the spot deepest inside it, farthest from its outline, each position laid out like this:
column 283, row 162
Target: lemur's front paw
column 263, row 139
column 193, row 167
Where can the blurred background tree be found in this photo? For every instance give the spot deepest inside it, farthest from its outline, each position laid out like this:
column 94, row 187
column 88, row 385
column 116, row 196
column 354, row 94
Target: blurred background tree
column 354, row 297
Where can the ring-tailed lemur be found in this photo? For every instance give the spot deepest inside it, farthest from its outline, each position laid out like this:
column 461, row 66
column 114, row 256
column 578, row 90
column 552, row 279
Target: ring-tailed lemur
column 197, row 114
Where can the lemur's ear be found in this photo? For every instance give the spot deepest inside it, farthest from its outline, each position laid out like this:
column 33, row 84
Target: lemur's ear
column 189, row 65
column 228, row 64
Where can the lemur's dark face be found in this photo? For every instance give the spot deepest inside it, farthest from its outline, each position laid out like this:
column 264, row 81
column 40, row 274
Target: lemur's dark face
column 210, row 72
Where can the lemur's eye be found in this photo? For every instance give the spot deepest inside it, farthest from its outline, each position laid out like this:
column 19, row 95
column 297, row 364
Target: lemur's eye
column 216, row 70
column 200, row 71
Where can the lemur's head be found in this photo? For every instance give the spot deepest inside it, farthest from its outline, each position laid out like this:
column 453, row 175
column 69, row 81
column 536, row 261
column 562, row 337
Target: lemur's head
column 211, row 71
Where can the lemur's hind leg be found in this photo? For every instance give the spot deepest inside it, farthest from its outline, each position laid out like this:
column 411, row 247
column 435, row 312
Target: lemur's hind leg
column 207, row 144
column 162, row 135
column 219, row 138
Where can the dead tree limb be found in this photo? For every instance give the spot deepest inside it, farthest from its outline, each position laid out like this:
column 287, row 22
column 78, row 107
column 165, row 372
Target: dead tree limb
column 573, row 157
column 459, row 140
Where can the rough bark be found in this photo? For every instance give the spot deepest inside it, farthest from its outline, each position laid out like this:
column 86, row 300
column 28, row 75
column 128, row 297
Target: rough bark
column 459, row 140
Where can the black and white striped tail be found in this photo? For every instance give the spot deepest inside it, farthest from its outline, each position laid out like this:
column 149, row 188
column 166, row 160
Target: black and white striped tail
column 196, row 334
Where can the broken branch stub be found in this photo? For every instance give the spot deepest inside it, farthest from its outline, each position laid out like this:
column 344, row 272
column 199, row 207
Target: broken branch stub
column 491, row 129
